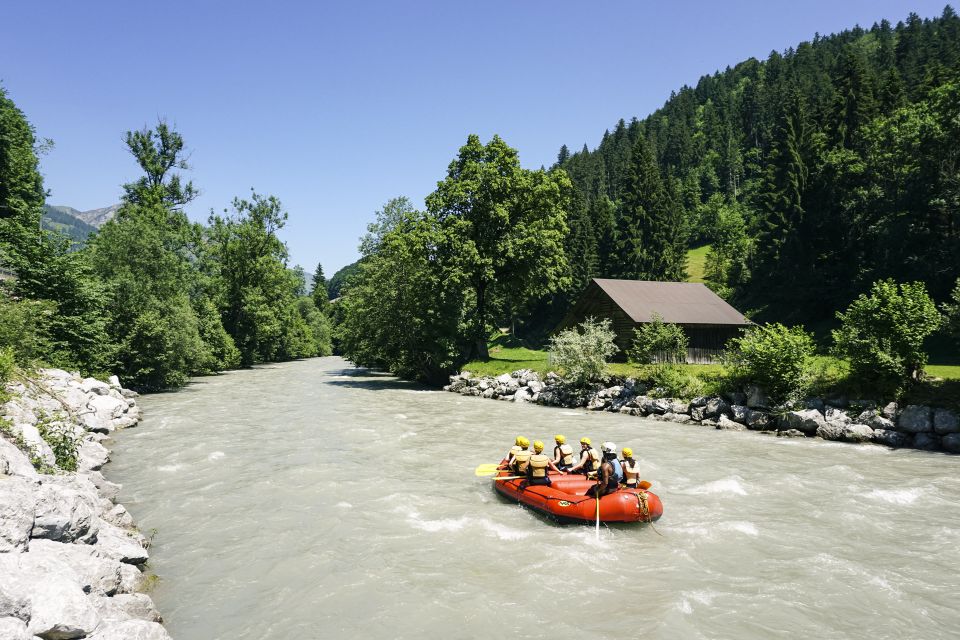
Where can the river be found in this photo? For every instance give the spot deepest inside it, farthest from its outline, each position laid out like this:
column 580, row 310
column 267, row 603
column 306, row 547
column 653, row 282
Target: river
column 314, row 500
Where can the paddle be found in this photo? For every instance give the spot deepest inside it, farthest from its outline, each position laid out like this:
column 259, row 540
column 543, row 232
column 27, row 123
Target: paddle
column 509, row 478
column 488, row 470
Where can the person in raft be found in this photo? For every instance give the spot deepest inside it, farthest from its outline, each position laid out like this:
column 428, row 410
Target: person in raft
column 517, row 447
column 631, row 469
column 607, row 481
column 539, row 465
column 610, row 455
column 521, row 459
column 562, row 453
column 589, row 459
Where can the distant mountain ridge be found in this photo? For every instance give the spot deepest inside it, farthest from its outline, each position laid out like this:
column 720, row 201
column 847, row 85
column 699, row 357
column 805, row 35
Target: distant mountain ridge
column 78, row 225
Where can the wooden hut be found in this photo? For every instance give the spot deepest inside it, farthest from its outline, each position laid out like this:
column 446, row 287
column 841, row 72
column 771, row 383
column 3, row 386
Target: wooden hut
column 706, row 318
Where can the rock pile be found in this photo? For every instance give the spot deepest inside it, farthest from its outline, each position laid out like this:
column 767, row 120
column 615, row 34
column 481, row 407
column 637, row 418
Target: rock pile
column 71, row 562
column 918, row 426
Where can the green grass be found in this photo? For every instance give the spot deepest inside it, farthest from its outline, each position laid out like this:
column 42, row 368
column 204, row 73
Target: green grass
column 945, row 371
column 696, row 261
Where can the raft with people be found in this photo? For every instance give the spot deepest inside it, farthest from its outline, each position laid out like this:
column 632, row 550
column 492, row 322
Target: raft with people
column 566, row 491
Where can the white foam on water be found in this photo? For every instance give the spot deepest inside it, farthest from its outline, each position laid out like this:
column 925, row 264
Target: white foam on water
column 684, row 607
column 170, row 468
column 572, row 413
column 895, row 496
column 726, row 485
column 407, row 434
column 216, row 455
column 344, row 505
column 747, row 528
column 399, row 416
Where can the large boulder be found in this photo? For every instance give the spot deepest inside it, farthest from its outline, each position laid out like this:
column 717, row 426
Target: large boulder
column 870, row 418
column 759, row 421
column 945, row 421
column 91, row 455
column 13, row 629
column 94, row 573
column 127, row 606
column 835, row 415
column 523, row 394
column 926, row 441
column 17, row 506
column 679, row 406
column 951, row 442
column 740, row 412
column 535, row 385
column 891, row 438
column 806, row 421
column 916, row 418
column 757, row 398
column 15, row 462
column 857, row 433
column 13, row 604
column 65, row 514
column 830, row 431
column 120, row 544
column 716, row 407
column 32, row 438
column 59, row 609
column 131, row 630
column 727, row 424
column 504, row 378
column 680, row 418
column 889, row 411
column 94, row 386
column 698, row 413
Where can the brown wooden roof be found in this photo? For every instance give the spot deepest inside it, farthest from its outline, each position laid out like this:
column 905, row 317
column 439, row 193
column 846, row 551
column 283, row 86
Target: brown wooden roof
column 675, row 302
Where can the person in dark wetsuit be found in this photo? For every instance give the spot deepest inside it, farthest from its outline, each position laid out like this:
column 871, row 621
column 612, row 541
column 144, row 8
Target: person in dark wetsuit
column 610, row 474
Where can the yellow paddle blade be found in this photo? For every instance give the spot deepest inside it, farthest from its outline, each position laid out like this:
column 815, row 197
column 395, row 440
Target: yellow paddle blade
column 508, row 478
column 487, row 469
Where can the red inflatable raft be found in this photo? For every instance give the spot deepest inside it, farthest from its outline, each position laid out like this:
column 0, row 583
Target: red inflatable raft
column 565, row 500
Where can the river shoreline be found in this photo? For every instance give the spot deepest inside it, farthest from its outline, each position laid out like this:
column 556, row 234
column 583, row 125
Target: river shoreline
column 73, row 564
column 837, row 419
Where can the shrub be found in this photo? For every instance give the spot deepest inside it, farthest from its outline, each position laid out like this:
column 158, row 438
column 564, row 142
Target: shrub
column 62, row 440
column 773, row 356
column 581, row 353
column 672, row 381
column 7, row 367
column 951, row 311
column 658, row 340
column 882, row 333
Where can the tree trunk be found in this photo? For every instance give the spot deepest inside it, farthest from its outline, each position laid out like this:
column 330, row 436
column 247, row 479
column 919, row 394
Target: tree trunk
column 479, row 349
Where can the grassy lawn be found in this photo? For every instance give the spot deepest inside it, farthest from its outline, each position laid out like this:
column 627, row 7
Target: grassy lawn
column 945, row 371
column 696, row 260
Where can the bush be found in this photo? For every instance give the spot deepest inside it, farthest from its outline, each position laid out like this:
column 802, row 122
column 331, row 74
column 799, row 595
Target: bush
column 773, row 356
column 581, row 353
column 62, row 440
column 951, row 311
column 658, row 341
column 7, row 366
column 882, row 334
column 672, row 381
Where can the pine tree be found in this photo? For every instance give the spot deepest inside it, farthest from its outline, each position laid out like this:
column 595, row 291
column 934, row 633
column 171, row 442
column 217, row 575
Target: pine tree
column 319, row 292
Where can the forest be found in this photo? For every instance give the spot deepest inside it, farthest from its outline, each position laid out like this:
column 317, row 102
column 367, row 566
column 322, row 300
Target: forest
column 151, row 297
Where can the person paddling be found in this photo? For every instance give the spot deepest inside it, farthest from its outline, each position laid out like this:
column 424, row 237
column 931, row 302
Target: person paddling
column 631, row 469
column 610, row 455
column 607, row 480
column 589, row 459
column 517, row 447
column 539, row 465
column 562, row 453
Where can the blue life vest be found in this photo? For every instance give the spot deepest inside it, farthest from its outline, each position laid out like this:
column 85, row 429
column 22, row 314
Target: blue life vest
column 617, row 469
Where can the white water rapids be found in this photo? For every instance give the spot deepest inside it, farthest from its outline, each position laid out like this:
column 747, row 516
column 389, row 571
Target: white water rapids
column 314, row 500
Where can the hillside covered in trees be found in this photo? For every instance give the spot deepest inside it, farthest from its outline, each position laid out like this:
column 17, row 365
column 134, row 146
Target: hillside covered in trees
column 810, row 175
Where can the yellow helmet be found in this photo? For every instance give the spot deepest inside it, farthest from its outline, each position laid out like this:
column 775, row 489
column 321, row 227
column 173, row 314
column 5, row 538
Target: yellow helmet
column 560, row 439
column 538, row 446
column 585, row 441
column 523, row 442
column 518, row 440
column 627, row 452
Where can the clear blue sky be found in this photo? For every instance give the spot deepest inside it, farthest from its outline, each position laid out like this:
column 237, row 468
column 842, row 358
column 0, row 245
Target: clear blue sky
column 337, row 107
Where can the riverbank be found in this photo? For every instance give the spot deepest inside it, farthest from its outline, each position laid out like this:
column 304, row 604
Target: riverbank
column 73, row 564
column 838, row 419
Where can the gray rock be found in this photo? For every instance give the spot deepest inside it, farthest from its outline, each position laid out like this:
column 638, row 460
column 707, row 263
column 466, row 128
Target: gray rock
column 838, row 401
column 916, row 418
column 857, row 433
column 114, row 382
column 58, row 607
column 17, row 505
column 679, row 406
column 63, row 513
column 871, row 419
column 94, row 573
column 13, row 629
column 945, row 421
column 680, row 418
column 660, row 406
column 131, row 579
column 757, row 398
column 697, row 413
column 535, row 385
column 836, row 416
column 91, row 455
column 457, row 386
column 16, row 461
column 727, row 424
column 484, row 384
column 487, row 393
column 830, row 431
column 138, row 605
column 891, row 438
column 13, row 604
column 92, row 385
column 504, row 378
column 107, row 408
column 759, row 421
column 31, row 436
column 118, row 516
column 122, row 545
column 699, row 401
column 523, row 394
column 926, row 441
column 889, row 411
column 951, row 442
column 740, row 412
column 131, row 630
column 791, row 433
column 709, row 423
column 716, row 407
column 806, row 421
column 814, row 403
column 511, row 387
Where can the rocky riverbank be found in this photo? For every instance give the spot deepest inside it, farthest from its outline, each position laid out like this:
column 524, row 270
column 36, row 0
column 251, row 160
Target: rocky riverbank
column 840, row 419
column 71, row 561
